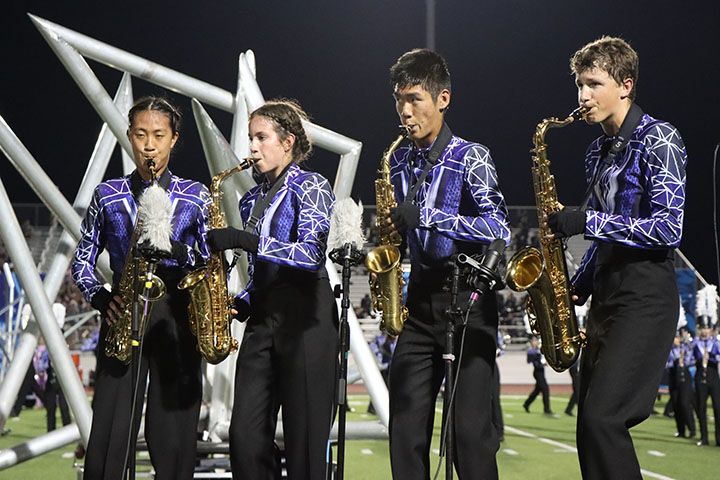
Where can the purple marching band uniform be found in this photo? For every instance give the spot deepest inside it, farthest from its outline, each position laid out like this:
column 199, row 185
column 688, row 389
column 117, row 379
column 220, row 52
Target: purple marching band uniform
column 288, row 355
column 707, row 383
column 461, row 210
column 679, row 361
column 169, row 350
column 634, row 221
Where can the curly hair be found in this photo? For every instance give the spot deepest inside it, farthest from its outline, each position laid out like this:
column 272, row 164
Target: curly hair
column 612, row 54
column 287, row 116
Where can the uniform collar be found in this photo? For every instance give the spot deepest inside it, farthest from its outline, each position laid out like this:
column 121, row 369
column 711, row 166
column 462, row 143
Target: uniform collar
column 138, row 185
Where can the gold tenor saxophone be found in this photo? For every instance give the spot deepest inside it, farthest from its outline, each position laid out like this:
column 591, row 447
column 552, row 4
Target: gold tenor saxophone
column 210, row 304
column 118, row 337
column 544, row 274
column 384, row 260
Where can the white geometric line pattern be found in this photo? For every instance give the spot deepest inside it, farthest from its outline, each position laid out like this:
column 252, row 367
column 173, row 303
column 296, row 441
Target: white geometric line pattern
column 639, row 200
column 459, row 199
column 110, row 219
column 294, row 227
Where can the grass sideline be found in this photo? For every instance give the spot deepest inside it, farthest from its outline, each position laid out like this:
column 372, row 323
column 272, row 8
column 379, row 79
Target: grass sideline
column 536, row 446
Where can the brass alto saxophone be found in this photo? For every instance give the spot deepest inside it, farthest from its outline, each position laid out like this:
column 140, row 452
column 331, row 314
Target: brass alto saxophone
column 544, row 274
column 210, row 304
column 384, row 260
column 118, row 337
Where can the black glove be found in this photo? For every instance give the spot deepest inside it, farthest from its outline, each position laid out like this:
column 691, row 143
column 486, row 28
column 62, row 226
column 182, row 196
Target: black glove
column 405, row 216
column 101, row 301
column 225, row 238
column 243, row 309
column 179, row 252
column 567, row 222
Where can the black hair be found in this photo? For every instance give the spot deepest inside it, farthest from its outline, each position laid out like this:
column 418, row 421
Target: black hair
column 421, row 67
column 158, row 104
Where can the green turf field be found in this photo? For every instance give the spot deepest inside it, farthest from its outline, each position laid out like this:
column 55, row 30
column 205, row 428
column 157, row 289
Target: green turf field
column 536, row 447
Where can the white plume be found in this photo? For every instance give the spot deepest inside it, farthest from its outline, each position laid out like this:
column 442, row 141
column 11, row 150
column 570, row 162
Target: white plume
column 155, row 215
column 346, row 225
column 682, row 319
column 707, row 303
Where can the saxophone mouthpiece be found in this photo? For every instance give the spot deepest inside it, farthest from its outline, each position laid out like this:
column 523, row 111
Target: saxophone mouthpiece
column 580, row 113
column 248, row 162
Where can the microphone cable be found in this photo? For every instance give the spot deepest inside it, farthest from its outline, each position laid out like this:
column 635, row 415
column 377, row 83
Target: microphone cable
column 451, row 402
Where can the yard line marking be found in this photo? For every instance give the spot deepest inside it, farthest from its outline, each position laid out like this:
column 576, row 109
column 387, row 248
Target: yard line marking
column 366, row 451
column 573, row 449
column 510, row 451
column 655, row 475
column 655, row 453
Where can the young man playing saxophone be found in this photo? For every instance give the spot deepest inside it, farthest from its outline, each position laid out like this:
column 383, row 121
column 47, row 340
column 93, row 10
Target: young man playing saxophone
column 636, row 177
column 457, row 208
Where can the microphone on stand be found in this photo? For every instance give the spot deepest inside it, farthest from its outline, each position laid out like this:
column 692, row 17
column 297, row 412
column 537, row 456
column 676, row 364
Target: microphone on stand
column 346, row 237
column 345, row 243
column 485, row 276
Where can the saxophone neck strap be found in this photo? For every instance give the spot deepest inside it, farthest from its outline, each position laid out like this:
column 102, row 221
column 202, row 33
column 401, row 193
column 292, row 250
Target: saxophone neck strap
column 262, row 204
column 619, row 142
column 437, row 149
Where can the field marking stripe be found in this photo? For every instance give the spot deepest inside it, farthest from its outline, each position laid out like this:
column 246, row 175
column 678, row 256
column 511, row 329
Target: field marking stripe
column 573, row 449
column 542, row 439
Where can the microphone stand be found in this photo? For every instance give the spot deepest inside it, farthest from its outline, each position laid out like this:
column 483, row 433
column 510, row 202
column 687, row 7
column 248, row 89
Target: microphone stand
column 139, row 322
column 453, row 314
column 347, row 256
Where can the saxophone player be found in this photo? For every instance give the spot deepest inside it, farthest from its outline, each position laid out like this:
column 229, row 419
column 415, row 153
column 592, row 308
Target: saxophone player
column 457, row 207
column 288, row 355
column 168, row 351
column 633, row 214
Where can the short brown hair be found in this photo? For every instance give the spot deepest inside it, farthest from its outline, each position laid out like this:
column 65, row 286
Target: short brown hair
column 612, row 54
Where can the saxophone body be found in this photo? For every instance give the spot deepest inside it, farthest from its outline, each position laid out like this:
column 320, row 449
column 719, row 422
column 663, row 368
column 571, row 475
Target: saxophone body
column 119, row 335
column 210, row 303
column 543, row 273
column 384, row 261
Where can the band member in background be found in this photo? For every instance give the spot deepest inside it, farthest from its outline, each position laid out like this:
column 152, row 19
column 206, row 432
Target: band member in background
column 169, row 349
column 458, row 207
column 634, row 219
column 288, row 356
column 680, row 386
column 541, row 386
column 706, row 352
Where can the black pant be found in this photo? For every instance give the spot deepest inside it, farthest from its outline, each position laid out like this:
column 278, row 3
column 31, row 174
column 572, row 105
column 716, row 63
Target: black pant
column 541, row 386
column 288, row 359
column 497, row 415
column 173, row 399
column 575, row 378
column 682, row 398
column 708, row 384
column 630, row 330
column 416, row 373
column 54, row 396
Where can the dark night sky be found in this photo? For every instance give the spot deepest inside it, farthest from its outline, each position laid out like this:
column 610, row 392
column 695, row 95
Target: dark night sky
column 508, row 59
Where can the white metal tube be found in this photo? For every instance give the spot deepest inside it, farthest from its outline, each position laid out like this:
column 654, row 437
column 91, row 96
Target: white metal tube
column 364, row 358
column 89, row 84
column 14, row 241
column 138, row 66
column 38, row 446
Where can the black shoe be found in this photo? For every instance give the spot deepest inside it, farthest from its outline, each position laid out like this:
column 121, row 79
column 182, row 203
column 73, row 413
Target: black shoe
column 569, row 413
column 526, row 407
column 549, row 413
column 702, row 443
column 692, row 435
column 678, row 435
